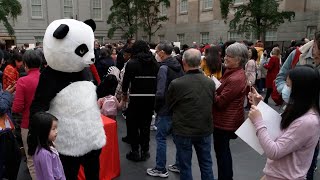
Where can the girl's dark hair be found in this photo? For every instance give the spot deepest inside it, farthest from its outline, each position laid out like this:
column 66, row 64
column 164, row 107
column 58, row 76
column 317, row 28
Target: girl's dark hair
column 108, row 86
column 39, row 129
column 140, row 47
column 224, row 47
column 16, row 56
column 105, row 52
column 176, row 50
column 254, row 53
column 213, row 59
column 304, row 94
column 32, row 59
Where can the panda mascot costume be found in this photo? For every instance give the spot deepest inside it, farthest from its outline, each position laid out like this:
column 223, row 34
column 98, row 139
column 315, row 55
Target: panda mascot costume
column 65, row 91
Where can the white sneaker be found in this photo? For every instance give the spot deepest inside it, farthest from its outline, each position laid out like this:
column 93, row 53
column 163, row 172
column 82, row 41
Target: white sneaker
column 156, row 173
column 174, row 168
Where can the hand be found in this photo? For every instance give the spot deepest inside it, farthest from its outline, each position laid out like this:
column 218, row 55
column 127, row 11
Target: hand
column 254, row 96
column 254, row 114
column 124, row 98
column 11, row 88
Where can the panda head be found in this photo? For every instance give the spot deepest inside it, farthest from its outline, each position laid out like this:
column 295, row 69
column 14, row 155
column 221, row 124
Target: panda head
column 68, row 45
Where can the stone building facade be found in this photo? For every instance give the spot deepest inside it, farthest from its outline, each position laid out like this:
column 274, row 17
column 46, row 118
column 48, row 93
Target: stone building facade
column 38, row 14
column 200, row 21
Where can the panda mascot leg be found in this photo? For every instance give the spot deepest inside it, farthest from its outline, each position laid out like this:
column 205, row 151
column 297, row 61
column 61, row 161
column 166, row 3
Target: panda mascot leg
column 64, row 92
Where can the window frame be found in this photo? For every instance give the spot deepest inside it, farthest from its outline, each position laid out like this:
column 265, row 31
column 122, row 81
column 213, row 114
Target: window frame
column 202, row 39
column 41, row 8
column 207, row 5
column 38, row 39
column 96, row 8
column 163, row 10
column 182, row 10
column 310, row 34
column 179, row 38
column 274, row 36
column 72, row 9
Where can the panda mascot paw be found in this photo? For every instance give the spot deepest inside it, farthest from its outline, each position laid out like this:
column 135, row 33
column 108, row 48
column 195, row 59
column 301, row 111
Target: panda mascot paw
column 63, row 91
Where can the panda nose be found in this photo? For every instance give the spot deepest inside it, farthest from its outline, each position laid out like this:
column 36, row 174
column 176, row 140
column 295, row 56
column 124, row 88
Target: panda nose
column 92, row 59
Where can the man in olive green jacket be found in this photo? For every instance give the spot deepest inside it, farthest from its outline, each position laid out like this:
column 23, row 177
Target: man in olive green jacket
column 191, row 98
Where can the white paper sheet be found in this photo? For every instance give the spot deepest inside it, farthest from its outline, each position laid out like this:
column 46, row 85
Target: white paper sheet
column 216, row 81
column 247, row 131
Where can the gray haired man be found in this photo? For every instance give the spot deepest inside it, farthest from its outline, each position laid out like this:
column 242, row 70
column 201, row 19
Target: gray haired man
column 190, row 97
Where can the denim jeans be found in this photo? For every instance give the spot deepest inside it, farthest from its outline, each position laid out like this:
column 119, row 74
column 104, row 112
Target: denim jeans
column 313, row 163
column 202, row 145
column 163, row 124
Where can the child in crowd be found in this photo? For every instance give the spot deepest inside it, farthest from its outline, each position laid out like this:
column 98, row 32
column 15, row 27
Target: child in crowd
column 290, row 155
column 9, row 151
column 108, row 103
column 42, row 133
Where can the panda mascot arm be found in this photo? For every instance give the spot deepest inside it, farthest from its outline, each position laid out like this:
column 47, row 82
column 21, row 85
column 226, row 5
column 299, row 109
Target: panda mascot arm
column 64, row 91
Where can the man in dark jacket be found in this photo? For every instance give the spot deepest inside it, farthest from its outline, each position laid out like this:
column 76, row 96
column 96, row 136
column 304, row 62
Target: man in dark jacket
column 140, row 73
column 120, row 59
column 170, row 69
column 191, row 98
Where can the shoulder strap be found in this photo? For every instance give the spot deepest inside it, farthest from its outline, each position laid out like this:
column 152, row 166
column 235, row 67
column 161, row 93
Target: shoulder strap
column 296, row 58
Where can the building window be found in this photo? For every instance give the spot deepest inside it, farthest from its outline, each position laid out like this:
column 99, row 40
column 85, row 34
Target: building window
column 207, row 4
column 180, row 38
column 183, row 6
column 96, row 9
column 100, row 39
column 271, row 36
column 311, row 30
column 204, row 37
column 163, row 9
column 38, row 39
column 238, row 2
column 161, row 37
column 234, row 36
column 68, row 8
column 36, row 8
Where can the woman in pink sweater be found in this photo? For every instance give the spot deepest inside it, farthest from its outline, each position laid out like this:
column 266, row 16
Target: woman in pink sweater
column 290, row 155
column 25, row 90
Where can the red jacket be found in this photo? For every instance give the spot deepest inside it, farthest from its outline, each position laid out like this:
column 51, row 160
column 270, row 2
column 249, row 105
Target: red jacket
column 25, row 90
column 273, row 69
column 228, row 111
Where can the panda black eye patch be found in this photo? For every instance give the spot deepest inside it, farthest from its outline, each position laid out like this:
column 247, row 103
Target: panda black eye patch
column 81, row 50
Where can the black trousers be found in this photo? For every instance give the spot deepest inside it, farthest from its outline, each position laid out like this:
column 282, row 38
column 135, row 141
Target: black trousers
column 89, row 161
column 139, row 130
column 223, row 153
column 266, row 98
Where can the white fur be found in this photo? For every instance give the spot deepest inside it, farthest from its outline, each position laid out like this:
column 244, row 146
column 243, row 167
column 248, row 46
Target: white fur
column 60, row 53
column 80, row 128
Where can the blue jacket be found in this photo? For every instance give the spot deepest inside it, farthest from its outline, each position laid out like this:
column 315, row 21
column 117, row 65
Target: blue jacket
column 6, row 103
column 305, row 58
column 170, row 69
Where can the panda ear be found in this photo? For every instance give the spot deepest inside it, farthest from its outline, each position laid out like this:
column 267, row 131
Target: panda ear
column 91, row 23
column 61, row 31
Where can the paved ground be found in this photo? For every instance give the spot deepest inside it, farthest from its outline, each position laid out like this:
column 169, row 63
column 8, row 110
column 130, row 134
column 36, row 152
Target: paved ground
column 247, row 164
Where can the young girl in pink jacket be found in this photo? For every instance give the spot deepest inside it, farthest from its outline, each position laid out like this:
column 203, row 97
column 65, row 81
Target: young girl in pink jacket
column 290, row 155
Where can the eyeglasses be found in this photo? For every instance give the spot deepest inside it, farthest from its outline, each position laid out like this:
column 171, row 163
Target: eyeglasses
column 228, row 56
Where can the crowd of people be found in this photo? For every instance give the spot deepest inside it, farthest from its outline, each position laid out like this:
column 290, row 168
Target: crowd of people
column 177, row 87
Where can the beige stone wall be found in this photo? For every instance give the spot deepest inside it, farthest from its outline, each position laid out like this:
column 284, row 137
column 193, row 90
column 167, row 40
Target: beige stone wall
column 26, row 27
column 197, row 21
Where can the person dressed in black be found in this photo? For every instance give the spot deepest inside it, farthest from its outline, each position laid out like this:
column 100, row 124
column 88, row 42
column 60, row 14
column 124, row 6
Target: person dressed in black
column 120, row 60
column 141, row 74
column 105, row 61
